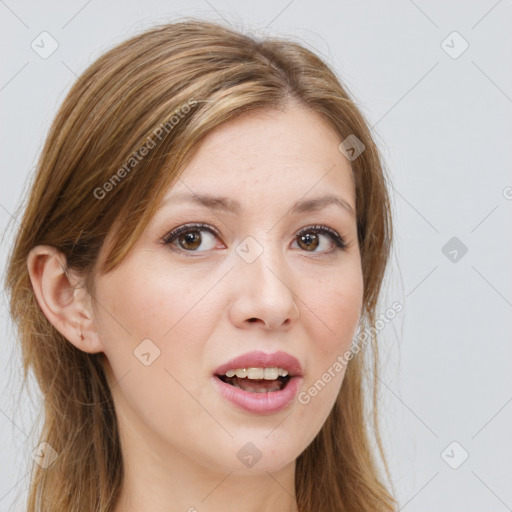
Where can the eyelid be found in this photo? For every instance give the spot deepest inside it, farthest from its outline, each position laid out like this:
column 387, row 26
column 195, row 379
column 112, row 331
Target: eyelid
column 338, row 239
column 199, row 226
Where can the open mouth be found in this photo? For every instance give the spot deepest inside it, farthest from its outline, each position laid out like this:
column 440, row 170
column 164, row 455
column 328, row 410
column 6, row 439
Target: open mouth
column 256, row 385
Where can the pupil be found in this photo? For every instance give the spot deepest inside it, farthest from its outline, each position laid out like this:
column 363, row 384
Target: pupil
column 190, row 240
column 310, row 241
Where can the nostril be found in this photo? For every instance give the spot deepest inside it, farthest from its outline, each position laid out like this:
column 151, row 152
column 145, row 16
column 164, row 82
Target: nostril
column 252, row 320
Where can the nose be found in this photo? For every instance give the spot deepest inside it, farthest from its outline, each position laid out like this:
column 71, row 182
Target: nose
column 263, row 293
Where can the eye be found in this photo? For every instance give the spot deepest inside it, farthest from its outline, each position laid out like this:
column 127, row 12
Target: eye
column 310, row 238
column 192, row 237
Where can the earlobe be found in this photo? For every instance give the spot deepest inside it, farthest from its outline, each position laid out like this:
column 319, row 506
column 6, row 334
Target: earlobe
column 65, row 305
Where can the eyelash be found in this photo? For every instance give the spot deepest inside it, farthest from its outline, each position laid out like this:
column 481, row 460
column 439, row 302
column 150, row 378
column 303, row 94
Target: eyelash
column 338, row 240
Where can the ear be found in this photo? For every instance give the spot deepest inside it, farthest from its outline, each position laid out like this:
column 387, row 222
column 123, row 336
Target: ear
column 65, row 304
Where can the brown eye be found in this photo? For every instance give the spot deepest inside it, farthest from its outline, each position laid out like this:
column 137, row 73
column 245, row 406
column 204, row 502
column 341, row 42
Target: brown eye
column 190, row 241
column 319, row 239
column 192, row 238
column 308, row 241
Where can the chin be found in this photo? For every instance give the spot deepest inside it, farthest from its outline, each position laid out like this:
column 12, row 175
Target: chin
column 261, row 453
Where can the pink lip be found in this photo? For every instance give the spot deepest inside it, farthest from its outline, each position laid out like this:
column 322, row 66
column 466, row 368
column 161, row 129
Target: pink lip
column 261, row 403
column 259, row 359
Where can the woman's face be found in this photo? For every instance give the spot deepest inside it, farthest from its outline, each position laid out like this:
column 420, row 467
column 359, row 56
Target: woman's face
column 264, row 272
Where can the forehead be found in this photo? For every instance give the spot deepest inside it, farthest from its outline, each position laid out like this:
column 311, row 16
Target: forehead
column 266, row 156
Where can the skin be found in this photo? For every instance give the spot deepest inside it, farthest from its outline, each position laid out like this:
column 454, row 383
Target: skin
column 180, row 437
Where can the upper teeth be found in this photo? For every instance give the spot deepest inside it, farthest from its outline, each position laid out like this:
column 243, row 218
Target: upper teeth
column 258, row 373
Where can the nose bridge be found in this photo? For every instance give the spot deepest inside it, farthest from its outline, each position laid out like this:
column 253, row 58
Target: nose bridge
column 264, row 283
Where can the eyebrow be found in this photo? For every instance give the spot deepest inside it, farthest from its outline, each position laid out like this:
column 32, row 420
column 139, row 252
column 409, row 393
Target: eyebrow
column 220, row 203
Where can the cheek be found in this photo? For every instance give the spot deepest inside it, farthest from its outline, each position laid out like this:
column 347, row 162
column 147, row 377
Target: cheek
column 334, row 309
column 161, row 398
column 334, row 315
column 141, row 302
column 154, row 330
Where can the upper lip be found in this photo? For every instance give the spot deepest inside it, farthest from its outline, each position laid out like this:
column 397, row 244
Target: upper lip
column 259, row 359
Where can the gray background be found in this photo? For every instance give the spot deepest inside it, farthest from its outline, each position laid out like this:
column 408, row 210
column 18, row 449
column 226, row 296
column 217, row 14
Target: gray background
column 443, row 121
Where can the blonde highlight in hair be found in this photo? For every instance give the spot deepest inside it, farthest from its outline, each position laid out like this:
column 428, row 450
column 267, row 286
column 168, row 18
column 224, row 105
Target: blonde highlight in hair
column 116, row 106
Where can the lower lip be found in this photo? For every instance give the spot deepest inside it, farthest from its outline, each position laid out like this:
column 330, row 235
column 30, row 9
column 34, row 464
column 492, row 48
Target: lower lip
column 260, row 403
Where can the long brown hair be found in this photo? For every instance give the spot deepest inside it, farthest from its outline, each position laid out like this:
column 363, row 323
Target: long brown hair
column 179, row 80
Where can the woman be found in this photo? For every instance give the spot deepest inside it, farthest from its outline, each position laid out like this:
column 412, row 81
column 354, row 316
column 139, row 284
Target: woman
column 206, row 234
